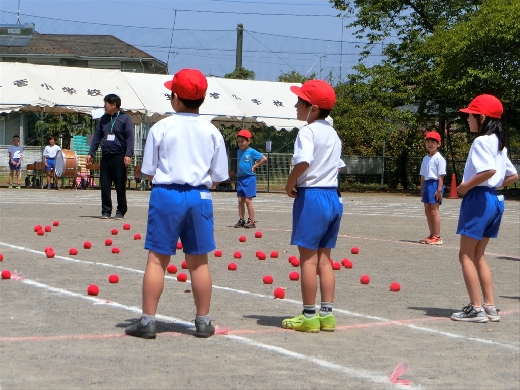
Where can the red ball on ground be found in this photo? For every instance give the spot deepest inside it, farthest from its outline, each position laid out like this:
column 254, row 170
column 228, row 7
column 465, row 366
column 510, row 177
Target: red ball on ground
column 113, row 278
column 274, row 254
column 258, row 234
column 182, row 277
column 50, row 254
column 291, row 258
column 257, row 252
column 336, row 266
column 41, row 232
column 48, row 248
column 179, row 245
column 93, row 289
column 137, row 236
column 172, row 269
column 1, row 257
column 294, row 275
column 73, row 251
column 115, row 250
column 114, row 231
column 56, row 223
column 354, row 250
column 48, row 229
column 218, row 253
column 365, row 279
column 279, row 293
column 87, row 245
column 242, row 238
column 108, row 242
column 6, row 274
column 184, row 264
column 37, row 227
column 268, row 279
column 232, row 266
column 126, row 226
column 395, row 286
column 346, row 263
column 237, row 255
column 295, row 263
column 262, row 256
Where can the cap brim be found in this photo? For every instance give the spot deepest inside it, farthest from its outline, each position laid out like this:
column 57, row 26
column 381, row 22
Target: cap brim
column 468, row 111
column 298, row 92
column 168, row 84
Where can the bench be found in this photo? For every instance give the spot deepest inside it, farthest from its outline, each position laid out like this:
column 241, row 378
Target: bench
column 35, row 174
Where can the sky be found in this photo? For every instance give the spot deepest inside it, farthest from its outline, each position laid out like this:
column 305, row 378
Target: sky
column 279, row 35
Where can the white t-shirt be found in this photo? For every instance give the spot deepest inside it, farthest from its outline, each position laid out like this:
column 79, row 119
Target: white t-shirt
column 50, row 151
column 16, row 151
column 484, row 156
column 318, row 145
column 185, row 149
column 433, row 167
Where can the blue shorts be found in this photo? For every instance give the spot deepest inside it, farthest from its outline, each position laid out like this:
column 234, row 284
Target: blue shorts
column 51, row 163
column 180, row 211
column 317, row 215
column 14, row 167
column 429, row 189
column 480, row 213
column 246, row 186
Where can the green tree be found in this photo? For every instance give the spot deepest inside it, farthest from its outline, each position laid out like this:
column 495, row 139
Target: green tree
column 64, row 126
column 295, row 77
column 241, row 74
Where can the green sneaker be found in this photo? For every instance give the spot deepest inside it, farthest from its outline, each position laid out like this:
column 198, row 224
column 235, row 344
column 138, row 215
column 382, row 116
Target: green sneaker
column 17, row 187
column 10, row 186
column 328, row 323
column 302, row 323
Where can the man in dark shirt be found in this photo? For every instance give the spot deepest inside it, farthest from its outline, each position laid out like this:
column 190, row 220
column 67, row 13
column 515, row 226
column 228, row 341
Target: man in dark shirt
column 116, row 130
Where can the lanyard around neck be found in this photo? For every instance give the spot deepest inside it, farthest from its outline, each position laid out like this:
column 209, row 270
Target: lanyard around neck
column 114, row 122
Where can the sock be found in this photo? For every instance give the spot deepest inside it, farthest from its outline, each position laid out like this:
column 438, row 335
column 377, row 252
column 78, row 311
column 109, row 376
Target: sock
column 325, row 309
column 146, row 318
column 309, row 311
column 488, row 307
column 203, row 318
column 478, row 309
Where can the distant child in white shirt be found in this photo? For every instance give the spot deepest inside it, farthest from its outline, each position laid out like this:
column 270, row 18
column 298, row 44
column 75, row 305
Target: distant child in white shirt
column 15, row 161
column 487, row 168
column 433, row 170
column 49, row 160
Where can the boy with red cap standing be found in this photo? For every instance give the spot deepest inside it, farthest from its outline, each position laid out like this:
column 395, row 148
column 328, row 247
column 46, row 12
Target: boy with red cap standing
column 248, row 159
column 433, row 170
column 317, row 208
column 186, row 156
column 487, row 168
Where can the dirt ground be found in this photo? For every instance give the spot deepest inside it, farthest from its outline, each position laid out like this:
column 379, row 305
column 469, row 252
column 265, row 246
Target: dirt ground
column 53, row 335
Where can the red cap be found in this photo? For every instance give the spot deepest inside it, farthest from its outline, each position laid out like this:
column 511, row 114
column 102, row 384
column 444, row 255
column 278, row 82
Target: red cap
column 316, row 92
column 188, row 84
column 245, row 133
column 433, row 135
column 487, row 105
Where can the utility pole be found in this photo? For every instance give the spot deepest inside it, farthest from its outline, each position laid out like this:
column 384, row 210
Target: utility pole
column 240, row 39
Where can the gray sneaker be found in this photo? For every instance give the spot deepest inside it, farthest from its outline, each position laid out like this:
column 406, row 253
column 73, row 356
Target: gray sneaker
column 119, row 215
column 250, row 224
column 204, row 330
column 240, row 223
column 469, row 314
column 492, row 314
column 105, row 216
column 139, row 330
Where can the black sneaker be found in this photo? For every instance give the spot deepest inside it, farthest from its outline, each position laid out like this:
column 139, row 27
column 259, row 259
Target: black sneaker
column 204, row 330
column 469, row 314
column 119, row 215
column 139, row 330
column 240, row 223
column 250, row 224
column 105, row 216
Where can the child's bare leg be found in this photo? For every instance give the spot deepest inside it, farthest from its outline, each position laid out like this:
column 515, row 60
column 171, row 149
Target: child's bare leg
column 19, row 176
column 428, row 213
column 484, row 272
column 327, row 279
column 466, row 258
column 309, row 283
column 436, row 219
column 250, row 208
column 153, row 281
column 200, row 282
column 241, row 207
column 48, row 178
column 11, row 173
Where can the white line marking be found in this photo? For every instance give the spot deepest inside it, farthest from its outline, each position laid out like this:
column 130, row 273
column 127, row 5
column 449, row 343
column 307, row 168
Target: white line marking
column 351, row 372
column 291, row 301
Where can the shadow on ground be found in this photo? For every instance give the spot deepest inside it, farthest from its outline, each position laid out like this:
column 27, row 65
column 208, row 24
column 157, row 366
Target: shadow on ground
column 434, row 311
column 267, row 320
column 162, row 327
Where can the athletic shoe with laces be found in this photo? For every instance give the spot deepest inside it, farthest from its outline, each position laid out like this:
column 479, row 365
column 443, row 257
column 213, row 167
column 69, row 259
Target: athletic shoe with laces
column 492, row 314
column 119, row 215
column 469, row 314
column 204, row 330
column 10, row 186
column 105, row 216
column 327, row 323
column 240, row 223
column 18, row 187
column 302, row 323
column 250, row 224
column 435, row 240
column 425, row 240
column 137, row 329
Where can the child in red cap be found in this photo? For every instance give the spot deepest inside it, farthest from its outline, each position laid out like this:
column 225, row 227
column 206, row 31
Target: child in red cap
column 487, row 168
column 317, row 208
column 248, row 159
column 186, row 156
column 433, row 170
